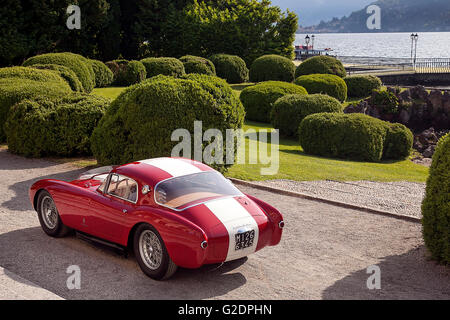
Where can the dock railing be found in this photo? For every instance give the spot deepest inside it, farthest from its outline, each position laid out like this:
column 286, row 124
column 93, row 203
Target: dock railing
column 432, row 65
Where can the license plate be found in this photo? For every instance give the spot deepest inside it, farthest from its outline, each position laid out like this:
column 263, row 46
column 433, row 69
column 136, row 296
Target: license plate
column 244, row 239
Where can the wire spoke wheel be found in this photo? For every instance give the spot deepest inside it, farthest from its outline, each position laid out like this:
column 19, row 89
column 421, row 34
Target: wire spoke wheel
column 150, row 249
column 49, row 212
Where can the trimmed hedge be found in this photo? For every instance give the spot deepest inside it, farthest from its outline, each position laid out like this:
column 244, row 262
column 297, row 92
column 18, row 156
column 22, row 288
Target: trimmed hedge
column 165, row 66
column 231, row 68
column 324, row 83
column 321, row 64
column 126, row 72
column 258, row 99
column 436, row 204
column 75, row 62
column 353, row 136
column 289, row 111
column 18, row 83
column 54, row 127
column 68, row 75
column 103, row 75
column 361, row 86
column 199, row 65
column 272, row 67
column 140, row 122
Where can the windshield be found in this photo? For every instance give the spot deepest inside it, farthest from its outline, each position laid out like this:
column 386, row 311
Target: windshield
column 180, row 192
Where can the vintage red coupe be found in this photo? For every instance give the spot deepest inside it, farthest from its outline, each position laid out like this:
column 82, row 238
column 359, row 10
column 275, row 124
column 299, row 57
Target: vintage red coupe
column 170, row 211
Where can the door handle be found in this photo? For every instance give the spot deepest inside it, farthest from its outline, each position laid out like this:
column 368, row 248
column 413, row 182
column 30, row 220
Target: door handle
column 125, row 211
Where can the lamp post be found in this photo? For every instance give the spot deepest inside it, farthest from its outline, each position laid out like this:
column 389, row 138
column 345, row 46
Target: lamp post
column 416, row 37
column 312, row 44
column 307, row 38
column 412, row 46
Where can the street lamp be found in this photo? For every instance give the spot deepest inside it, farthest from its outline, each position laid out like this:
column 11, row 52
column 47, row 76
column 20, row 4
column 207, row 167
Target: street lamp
column 416, row 37
column 313, row 37
column 307, row 38
column 412, row 46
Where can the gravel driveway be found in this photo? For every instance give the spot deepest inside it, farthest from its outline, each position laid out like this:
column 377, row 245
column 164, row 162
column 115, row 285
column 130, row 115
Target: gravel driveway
column 324, row 254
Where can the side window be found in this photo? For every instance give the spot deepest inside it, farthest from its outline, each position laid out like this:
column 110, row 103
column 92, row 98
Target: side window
column 123, row 188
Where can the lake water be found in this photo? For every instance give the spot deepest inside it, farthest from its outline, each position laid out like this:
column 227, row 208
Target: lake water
column 389, row 45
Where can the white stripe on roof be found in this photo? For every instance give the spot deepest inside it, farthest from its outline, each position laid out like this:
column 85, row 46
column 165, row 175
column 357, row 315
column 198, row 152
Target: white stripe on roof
column 174, row 167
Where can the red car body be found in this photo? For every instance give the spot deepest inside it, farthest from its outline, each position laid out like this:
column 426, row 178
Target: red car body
column 85, row 208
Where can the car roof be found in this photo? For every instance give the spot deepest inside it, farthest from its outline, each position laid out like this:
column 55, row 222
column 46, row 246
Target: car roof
column 152, row 171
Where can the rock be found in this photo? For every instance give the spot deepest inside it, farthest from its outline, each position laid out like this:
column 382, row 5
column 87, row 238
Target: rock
column 419, row 92
column 435, row 97
column 428, row 153
column 446, row 103
column 404, row 116
column 357, row 108
column 405, row 96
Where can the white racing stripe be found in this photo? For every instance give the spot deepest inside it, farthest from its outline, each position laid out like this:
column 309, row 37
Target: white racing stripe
column 235, row 218
column 174, row 167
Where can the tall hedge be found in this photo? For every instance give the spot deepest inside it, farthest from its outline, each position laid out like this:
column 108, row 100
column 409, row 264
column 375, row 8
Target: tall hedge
column 258, row 99
column 54, row 127
column 289, row 111
column 353, row 136
column 328, row 84
column 436, row 204
column 230, row 67
column 164, row 66
column 140, row 122
column 194, row 64
column 75, row 62
column 67, row 74
column 103, row 75
column 18, row 83
column 321, row 64
column 361, row 86
column 272, row 67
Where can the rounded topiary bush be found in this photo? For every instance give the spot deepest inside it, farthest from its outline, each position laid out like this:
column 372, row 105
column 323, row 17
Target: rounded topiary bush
column 436, row 204
column 54, row 127
column 134, row 72
column 328, row 84
column 103, row 75
column 165, row 66
column 74, row 62
column 231, row 68
column 353, row 136
column 18, row 83
column 193, row 64
column 258, row 99
column 272, row 67
column 289, row 111
column 361, row 86
column 140, row 122
column 68, row 75
column 321, row 64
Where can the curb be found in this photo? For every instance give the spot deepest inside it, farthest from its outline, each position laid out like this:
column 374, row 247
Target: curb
column 327, row 201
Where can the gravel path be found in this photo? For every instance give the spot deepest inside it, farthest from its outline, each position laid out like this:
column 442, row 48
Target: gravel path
column 396, row 197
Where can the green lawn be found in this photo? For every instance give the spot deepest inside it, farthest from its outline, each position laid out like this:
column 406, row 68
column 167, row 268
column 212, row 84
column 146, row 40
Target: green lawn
column 296, row 165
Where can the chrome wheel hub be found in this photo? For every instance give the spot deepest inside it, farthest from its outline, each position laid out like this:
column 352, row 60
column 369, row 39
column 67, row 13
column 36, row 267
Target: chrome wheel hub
column 150, row 249
column 49, row 212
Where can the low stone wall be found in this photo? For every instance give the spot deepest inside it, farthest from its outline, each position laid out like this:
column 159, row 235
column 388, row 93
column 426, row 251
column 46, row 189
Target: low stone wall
column 413, row 79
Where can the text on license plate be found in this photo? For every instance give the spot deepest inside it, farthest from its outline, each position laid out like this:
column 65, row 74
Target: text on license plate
column 244, row 239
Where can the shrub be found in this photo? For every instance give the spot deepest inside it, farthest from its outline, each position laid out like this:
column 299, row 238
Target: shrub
column 289, row 111
column 103, row 75
column 322, row 65
column 352, row 136
column 436, row 204
column 258, row 99
column 324, row 83
column 272, row 67
column 75, row 62
column 140, row 122
column 126, row 72
column 165, row 66
column 387, row 101
column 193, row 64
column 56, row 127
column 231, row 68
column 361, row 86
column 398, row 143
column 18, row 83
column 68, row 75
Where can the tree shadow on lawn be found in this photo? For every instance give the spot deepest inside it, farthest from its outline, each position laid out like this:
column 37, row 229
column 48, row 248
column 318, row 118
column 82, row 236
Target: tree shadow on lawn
column 43, row 260
column 406, row 276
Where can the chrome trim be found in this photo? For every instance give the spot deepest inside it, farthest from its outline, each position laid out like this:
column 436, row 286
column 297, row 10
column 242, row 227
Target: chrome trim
column 201, row 172
column 112, row 195
column 281, row 224
column 204, row 244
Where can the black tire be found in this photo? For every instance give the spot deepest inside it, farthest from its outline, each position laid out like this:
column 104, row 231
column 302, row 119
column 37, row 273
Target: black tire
column 59, row 229
column 166, row 266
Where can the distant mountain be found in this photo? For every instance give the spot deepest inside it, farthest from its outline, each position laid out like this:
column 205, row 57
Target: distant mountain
column 396, row 16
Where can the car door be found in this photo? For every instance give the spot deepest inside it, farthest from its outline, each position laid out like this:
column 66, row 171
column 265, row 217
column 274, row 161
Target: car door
column 112, row 207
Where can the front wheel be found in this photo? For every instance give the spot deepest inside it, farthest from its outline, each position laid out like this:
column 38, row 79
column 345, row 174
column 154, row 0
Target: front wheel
column 49, row 217
column 151, row 253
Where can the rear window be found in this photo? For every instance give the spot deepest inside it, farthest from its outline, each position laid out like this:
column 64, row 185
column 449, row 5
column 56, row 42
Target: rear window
column 181, row 192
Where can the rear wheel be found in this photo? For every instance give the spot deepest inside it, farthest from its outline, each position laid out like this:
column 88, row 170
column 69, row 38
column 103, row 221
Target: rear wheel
column 151, row 253
column 49, row 216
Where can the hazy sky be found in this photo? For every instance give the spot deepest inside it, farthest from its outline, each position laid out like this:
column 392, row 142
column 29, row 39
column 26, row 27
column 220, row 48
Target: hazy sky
column 310, row 12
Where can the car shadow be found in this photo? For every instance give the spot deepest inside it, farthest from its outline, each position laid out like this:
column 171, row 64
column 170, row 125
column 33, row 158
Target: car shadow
column 32, row 255
column 403, row 277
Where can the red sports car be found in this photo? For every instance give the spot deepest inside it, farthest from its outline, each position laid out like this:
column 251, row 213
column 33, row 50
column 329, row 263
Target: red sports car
column 170, row 211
